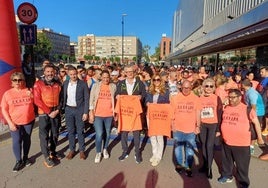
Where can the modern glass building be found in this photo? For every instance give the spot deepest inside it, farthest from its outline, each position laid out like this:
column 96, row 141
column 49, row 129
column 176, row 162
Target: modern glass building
column 220, row 28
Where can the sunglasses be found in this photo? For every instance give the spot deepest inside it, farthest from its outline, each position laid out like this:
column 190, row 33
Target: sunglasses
column 232, row 97
column 158, row 80
column 186, row 87
column 209, row 86
column 17, row 80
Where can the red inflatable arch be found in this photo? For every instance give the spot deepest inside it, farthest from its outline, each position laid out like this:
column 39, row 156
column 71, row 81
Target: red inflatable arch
column 9, row 46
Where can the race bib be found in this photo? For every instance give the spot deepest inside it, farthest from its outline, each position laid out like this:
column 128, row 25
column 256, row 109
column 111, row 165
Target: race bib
column 207, row 113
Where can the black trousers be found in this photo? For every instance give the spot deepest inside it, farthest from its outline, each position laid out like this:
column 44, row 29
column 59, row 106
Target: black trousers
column 48, row 134
column 124, row 139
column 240, row 155
column 207, row 138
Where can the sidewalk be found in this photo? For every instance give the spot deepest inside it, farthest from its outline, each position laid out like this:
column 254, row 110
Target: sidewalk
column 111, row 172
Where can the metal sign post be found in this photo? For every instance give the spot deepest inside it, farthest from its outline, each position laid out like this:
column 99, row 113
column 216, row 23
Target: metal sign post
column 27, row 14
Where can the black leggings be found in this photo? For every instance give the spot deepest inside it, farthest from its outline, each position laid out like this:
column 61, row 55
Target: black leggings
column 207, row 138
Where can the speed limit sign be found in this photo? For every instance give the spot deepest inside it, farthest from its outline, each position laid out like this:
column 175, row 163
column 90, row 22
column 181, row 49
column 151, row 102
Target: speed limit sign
column 27, row 13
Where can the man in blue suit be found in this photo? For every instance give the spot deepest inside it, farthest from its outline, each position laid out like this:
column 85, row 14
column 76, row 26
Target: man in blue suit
column 76, row 104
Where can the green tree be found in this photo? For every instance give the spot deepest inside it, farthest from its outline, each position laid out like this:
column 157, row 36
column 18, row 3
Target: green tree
column 86, row 57
column 104, row 59
column 243, row 58
column 117, row 59
column 145, row 52
column 235, row 58
column 56, row 57
column 97, row 58
column 65, row 57
column 72, row 59
column 156, row 55
column 111, row 59
column 90, row 58
column 212, row 59
column 42, row 49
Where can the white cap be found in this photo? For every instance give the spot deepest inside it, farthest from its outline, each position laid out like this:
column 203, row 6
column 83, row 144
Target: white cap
column 115, row 73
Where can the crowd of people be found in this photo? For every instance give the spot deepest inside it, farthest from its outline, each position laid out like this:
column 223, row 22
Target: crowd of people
column 228, row 107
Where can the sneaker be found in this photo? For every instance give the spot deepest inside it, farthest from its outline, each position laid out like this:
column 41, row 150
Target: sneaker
column 55, row 156
column 251, row 149
column 105, row 154
column 188, row 172
column 49, row 162
column 98, row 158
column 179, row 169
column 264, row 132
column 82, row 155
column 143, row 132
column 27, row 162
column 18, row 166
column 155, row 162
column 152, row 159
column 114, row 130
column 224, row 180
column 138, row 158
column 123, row 156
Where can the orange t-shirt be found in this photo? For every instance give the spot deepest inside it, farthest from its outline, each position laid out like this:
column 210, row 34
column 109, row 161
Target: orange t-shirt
column 254, row 83
column 19, row 105
column 235, row 125
column 159, row 119
column 129, row 109
column 185, row 110
column 222, row 93
column 209, row 109
column 104, row 104
column 231, row 85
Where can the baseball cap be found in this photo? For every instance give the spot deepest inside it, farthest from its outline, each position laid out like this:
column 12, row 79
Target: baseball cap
column 115, row 73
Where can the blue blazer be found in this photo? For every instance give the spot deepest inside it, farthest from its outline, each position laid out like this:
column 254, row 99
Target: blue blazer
column 162, row 99
column 82, row 95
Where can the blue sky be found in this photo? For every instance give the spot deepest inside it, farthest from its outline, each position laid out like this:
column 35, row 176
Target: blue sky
column 146, row 19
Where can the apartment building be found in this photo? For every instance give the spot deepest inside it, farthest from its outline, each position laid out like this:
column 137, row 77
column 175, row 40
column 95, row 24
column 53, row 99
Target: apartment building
column 60, row 43
column 74, row 49
column 109, row 46
column 86, row 45
column 165, row 46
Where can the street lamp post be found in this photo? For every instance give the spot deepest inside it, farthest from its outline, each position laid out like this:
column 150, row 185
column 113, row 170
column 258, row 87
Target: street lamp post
column 123, row 15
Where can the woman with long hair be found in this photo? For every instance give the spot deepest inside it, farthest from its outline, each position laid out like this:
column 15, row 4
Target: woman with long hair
column 101, row 106
column 157, row 94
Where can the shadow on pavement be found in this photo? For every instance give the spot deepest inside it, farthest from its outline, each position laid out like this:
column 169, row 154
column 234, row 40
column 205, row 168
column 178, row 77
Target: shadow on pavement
column 117, row 181
column 152, row 178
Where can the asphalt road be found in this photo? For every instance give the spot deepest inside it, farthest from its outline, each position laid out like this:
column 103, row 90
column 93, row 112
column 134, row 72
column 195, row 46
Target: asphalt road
column 111, row 172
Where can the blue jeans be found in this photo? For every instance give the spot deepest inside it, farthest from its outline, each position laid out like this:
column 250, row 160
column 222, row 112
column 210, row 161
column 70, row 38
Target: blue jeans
column 21, row 138
column 187, row 142
column 98, row 125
